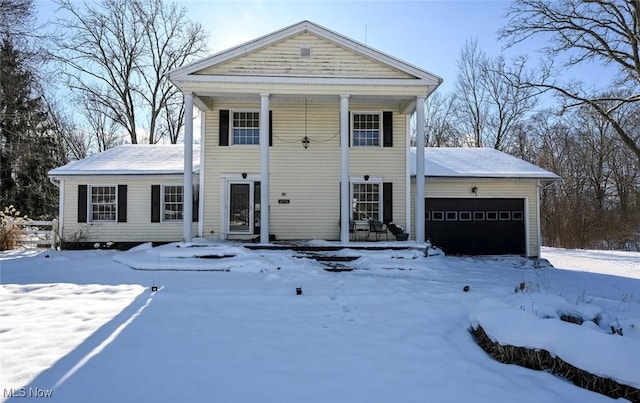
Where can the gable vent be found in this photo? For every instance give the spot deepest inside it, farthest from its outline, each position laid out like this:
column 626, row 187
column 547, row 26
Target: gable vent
column 305, row 52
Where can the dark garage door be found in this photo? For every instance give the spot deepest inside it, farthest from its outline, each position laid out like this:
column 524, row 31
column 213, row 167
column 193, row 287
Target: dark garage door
column 476, row 226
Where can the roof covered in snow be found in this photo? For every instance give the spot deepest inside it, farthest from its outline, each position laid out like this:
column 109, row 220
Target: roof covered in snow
column 132, row 159
column 446, row 162
column 455, row 162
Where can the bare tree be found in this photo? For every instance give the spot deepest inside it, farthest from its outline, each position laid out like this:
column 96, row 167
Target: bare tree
column 16, row 18
column 173, row 118
column 595, row 204
column 171, row 40
column 101, row 132
column 440, row 130
column 509, row 101
column 116, row 53
column 471, row 94
column 75, row 142
column 491, row 102
column 581, row 32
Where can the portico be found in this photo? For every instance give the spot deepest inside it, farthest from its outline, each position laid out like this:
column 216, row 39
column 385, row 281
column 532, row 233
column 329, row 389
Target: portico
column 349, row 102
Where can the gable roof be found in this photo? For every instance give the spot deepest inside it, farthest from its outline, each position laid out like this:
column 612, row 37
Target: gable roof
column 297, row 29
column 456, row 162
column 132, row 159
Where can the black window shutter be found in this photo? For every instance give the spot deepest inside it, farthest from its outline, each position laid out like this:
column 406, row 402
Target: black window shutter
column 195, row 204
column 387, row 129
column 122, row 203
column 340, row 202
column 224, row 128
column 349, row 128
column 155, row 203
column 270, row 128
column 256, row 202
column 387, row 202
column 82, row 203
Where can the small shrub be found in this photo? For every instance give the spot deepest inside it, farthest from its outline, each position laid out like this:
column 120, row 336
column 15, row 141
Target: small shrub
column 9, row 233
column 583, row 298
column 625, row 302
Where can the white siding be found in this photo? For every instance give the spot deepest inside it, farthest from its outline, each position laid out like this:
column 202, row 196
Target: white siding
column 326, row 60
column 138, row 227
column 489, row 188
column 309, row 179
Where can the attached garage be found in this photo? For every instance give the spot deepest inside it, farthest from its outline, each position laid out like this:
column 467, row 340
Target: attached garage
column 480, row 201
column 476, row 226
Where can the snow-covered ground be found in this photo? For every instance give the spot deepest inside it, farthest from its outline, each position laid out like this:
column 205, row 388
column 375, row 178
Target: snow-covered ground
column 80, row 326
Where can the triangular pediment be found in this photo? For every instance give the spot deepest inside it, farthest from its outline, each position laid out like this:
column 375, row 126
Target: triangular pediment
column 304, row 50
column 307, row 55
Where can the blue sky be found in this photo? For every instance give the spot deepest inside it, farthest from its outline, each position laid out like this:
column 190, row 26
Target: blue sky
column 425, row 33
column 428, row 34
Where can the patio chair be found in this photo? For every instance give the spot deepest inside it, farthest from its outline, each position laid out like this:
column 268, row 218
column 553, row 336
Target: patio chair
column 378, row 228
column 354, row 229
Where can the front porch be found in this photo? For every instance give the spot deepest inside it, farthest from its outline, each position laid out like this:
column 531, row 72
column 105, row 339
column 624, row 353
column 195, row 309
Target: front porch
column 316, row 111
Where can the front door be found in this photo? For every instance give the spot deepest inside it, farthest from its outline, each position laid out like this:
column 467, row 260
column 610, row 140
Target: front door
column 244, row 208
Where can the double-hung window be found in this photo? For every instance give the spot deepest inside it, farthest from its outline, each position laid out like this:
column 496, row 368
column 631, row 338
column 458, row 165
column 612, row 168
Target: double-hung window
column 245, row 128
column 173, row 202
column 103, row 203
column 367, row 201
column 366, row 129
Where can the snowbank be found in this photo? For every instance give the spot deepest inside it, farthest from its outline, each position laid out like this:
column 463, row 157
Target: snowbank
column 532, row 321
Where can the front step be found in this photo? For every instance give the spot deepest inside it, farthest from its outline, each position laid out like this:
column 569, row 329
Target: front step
column 332, row 263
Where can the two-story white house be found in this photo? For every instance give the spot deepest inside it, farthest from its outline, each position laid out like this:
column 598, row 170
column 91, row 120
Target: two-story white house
column 305, row 130
column 304, row 134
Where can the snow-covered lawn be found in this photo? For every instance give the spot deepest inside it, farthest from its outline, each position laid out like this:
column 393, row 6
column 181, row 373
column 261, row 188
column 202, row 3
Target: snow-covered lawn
column 82, row 327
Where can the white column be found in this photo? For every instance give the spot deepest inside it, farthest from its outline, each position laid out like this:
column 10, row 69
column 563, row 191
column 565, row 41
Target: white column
column 264, row 168
column 420, row 169
column 407, row 217
column 538, row 223
column 345, row 203
column 61, row 210
column 203, row 119
column 187, row 208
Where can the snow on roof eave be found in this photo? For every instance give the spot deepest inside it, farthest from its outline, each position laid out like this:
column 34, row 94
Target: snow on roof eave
column 181, row 73
column 54, row 174
column 538, row 176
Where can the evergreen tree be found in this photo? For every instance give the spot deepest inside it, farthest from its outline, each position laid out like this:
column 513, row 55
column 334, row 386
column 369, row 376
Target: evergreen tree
column 28, row 146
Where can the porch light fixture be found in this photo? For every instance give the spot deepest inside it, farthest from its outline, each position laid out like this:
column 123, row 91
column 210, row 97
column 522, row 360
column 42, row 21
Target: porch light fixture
column 244, row 175
column 366, row 177
column 474, row 190
column 305, row 141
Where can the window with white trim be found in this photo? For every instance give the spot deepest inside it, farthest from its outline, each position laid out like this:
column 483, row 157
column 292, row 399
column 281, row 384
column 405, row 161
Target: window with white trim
column 103, row 203
column 245, row 128
column 367, row 201
column 172, row 202
column 365, row 129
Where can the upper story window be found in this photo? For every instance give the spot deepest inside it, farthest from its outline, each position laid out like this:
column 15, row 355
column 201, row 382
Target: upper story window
column 173, row 202
column 103, row 203
column 366, row 129
column 245, row 128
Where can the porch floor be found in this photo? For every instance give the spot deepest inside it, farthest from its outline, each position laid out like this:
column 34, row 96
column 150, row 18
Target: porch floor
column 331, row 246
